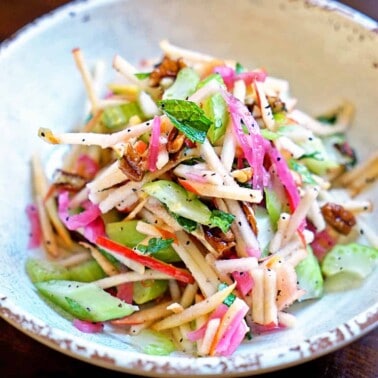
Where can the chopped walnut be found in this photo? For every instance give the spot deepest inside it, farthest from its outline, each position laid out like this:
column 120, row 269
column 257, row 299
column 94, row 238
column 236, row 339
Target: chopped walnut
column 132, row 164
column 176, row 141
column 220, row 241
column 166, row 68
column 242, row 175
column 248, row 211
column 276, row 104
column 346, row 150
column 338, row 217
column 69, row 181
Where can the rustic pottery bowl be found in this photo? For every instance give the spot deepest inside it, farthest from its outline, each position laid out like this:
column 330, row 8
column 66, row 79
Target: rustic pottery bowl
column 327, row 52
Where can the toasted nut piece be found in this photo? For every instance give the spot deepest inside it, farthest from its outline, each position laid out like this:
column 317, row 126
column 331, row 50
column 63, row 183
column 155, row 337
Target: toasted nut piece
column 167, row 68
column 220, row 241
column 338, row 217
column 132, row 164
column 175, row 141
column 248, row 211
column 242, row 175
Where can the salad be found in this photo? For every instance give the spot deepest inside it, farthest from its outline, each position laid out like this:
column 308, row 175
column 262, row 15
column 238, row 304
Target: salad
column 196, row 205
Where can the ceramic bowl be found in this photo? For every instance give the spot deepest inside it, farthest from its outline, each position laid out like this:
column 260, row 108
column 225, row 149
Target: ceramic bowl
column 327, row 52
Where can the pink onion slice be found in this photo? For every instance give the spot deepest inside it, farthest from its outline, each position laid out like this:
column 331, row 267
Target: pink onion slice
column 244, row 282
column 73, row 222
column 35, row 234
column 87, row 327
column 154, row 144
column 87, row 166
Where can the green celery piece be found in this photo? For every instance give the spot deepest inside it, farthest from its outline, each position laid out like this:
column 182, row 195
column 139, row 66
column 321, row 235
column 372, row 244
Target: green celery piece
column 284, row 130
column 342, row 281
column 280, row 119
column 87, row 271
column 124, row 232
column 147, row 290
column 316, row 158
column 178, row 201
column 167, row 254
column 116, row 117
column 185, row 84
column 273, row 206
column 186, row 205
column 153, row 342
column 112, row 215
column 265, row 226
column 208, row 79
column 310, row 277
column 216, row 110
column 188, row 117
column 303, row 171
column 270, row 135
column 319, row 167
column 40, row 270
column 354, row 258
column 85, row 301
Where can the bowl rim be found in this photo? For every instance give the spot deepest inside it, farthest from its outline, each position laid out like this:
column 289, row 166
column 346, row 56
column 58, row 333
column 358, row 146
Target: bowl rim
column 103, row 356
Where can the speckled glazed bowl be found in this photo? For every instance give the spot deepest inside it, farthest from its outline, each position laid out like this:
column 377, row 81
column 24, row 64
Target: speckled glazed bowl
column 327, row 52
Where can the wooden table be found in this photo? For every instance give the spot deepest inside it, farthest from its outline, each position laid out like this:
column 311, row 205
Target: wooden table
column 21, row 356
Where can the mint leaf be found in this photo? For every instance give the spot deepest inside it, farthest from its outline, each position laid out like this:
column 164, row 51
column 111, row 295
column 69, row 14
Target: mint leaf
column 239, row 68
column 154, row 245
column 188, row 117
column 221, row 219
column 229, row 300
column 188, row 224
column 142, row 75
column 313, row 155
column 329, row 119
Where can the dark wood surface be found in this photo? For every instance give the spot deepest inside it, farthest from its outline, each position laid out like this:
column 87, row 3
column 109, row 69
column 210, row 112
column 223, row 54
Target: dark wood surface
column 22, row 356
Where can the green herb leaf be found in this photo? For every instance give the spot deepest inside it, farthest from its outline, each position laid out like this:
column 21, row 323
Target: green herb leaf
column 239, row 68
column 230, row 298
column 188, row 117
column 188, row 224
column 221, row 219
column 142, row 75
column 313, row 155
column 328, row 119
column 154, row 245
